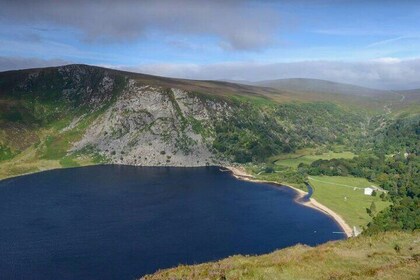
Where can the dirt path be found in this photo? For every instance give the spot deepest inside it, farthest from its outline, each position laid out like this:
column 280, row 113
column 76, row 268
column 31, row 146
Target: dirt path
column 336, row 184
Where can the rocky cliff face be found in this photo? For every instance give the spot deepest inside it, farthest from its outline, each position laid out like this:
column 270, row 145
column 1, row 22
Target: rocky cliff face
column 149, row 125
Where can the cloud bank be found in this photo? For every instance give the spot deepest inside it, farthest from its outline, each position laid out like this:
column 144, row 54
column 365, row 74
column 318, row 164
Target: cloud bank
column 237, row 25
column 384, row 73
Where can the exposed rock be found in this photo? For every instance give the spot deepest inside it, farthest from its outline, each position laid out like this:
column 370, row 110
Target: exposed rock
column 153, row 126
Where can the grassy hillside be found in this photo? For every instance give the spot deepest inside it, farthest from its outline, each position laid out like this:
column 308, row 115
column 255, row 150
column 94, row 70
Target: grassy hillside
column 363, row 98
column 391, row 255
column 44, row 111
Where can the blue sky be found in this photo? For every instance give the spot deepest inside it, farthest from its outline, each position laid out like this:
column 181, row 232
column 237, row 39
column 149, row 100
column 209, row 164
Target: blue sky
column 199, row 39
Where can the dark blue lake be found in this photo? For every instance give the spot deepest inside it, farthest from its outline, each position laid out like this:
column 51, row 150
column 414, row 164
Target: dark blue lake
column 121, row 222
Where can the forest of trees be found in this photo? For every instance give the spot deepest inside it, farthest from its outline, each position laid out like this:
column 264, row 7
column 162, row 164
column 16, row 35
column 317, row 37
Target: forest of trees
column 399, row 175
column 254, row 133
column 393, row 162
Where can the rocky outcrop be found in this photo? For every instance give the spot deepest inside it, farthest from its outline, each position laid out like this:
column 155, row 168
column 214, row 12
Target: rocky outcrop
column 153, row 126
column 87, row 86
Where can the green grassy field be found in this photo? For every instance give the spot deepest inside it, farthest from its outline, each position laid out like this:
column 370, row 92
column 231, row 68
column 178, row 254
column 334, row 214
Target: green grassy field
column 307, row 156
column 392, row 255
column 29, row 161
column 339, row 194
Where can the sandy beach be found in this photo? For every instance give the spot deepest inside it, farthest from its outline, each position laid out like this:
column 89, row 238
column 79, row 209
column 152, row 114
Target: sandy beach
column 241, row 174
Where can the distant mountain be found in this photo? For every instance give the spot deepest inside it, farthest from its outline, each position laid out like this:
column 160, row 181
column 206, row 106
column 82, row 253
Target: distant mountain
column 412, row 95
column 241, row 82
column 321, row 86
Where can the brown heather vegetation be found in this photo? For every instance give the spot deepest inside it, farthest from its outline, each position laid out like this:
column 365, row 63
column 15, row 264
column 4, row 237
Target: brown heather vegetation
column 391, row 255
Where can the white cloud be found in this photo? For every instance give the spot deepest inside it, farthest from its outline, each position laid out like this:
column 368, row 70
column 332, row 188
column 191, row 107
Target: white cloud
column 238, row 25
column 387, row 41
column 389, row 60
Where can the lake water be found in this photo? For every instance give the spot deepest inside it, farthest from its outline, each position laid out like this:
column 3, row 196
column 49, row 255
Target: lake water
column 121, row 222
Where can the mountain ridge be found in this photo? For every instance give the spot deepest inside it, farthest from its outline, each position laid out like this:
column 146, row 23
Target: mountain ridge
column 319, row 85
column 237, row 82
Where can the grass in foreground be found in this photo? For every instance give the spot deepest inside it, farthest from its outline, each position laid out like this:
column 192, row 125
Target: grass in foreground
column 339, row 194
column 392, row 255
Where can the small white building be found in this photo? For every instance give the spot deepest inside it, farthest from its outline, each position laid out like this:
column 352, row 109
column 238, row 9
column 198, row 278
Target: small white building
column 368, row 191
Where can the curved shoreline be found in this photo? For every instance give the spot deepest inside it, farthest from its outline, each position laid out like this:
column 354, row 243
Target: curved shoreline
column 312, row 203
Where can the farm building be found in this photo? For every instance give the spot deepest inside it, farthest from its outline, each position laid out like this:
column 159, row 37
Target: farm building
column 368, row 191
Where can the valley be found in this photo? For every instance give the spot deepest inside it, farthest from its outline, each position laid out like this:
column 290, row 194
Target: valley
column 210, row 140
column 339, row 139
